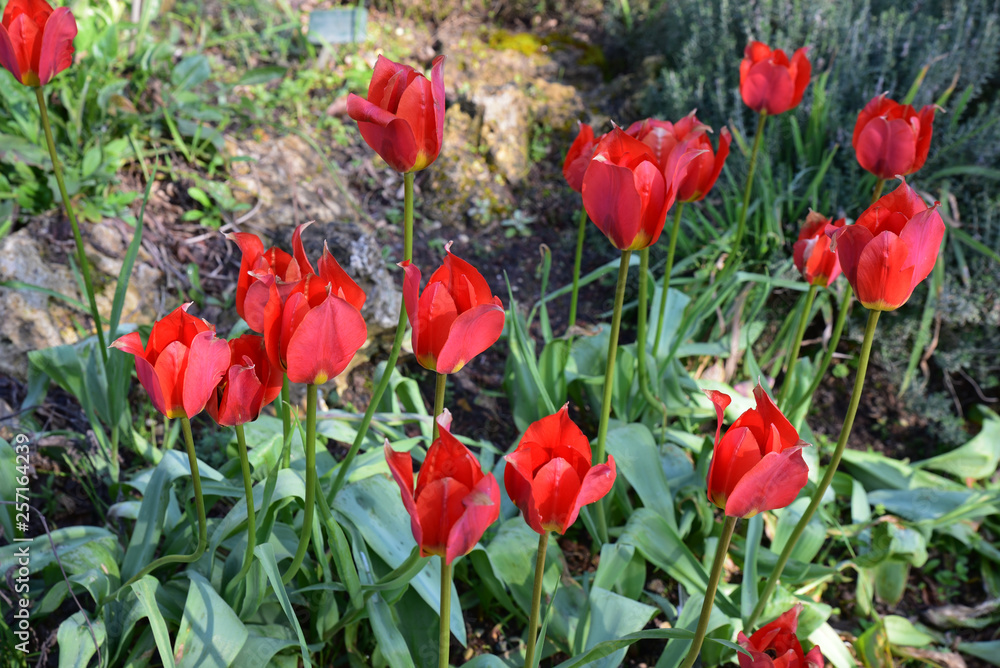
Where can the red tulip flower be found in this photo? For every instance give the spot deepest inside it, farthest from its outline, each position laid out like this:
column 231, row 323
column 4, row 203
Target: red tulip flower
column 892, row 139
column 549, row 476
column 812, row 253
column 181, row 364
column 890, row 248
column 664, row 136
column 758, row 464
column 578, row 157
column 627, row 192
column 776, row 645
column 769, row 81
column 403, row 118
column 251, row 383
column 455, row 318
column 293, row 273
column 453, row 503
column 36, row 41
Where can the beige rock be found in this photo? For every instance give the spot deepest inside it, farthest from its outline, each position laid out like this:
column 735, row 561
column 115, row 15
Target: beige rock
column 31, row 319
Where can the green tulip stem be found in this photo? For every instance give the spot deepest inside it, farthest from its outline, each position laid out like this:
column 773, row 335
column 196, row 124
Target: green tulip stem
column 878, row 190
column 713, row 584
column 672, row 248
column 741, row 225
column 817, row 497
column 536, row 600
column 640, row 344
column 286, row 422
column 397, row 343
column 81, row 256
column 199, row 503
column 786, row 384
column 444, row 636
column 838, row 329
column 241, row 442
column 439, row 387
column 310, row 502
column 577, row 263
column 609, row 375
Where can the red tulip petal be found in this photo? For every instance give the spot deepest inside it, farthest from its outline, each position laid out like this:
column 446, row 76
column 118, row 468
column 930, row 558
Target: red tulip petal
column 814, row 659
column 169, row 370
column 440, row 505
column 517, row 476
column 178, row 325
column 8, row 55
column 471, row 333
column 721, row 401
column 389, row 136
column 23, row 35
column 768, row 87
column 757, row 51
column 207, row 361
column 411, row 294
column 437, row 92
column 342, row 284
column 436, row 315
column 803, row 72
column 886, row 148
column 325, row 341
column 299, row 251
column 595, row 486
column 553, row 495
column 251, row 248
column 903, row 200
column 773, row 483
column 611, row 201
column 885, row 273
column 57, row 44
column 132, row 344
column 652, row 189
column 733, row 458
column 557, row 433
column 772, row 415
column 416, row 108
column 448, row 458
column 482, row 508
column 241, row 397
column 464, row 282
column 401, row 467
column 849, row 243
column 578, row 157
column 388, row 75
column 923, row 234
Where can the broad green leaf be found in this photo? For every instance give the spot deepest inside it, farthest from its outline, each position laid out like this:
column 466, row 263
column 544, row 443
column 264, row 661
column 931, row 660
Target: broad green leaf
column 873, row 647
column 832, row 646
column 265, row 555
column 145, row 592
column 987, row 650
column 876, row 471
column 748, row 589
column 977, row 459
column 262, row 75
column 638, row 459
column 811, row 540
column 67, row 541
column 258, row 650
column 613, row 617
column 372, row 506
column 660, row 544
column 901, row 631
column 927, row 504
column 609, row 647
column 8, row 490
column 149, row 524
column 76, row 641
column 211, row 634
